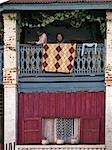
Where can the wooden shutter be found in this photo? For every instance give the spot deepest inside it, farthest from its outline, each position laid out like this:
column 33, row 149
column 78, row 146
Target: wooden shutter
column 89, row 130
column 31, row 130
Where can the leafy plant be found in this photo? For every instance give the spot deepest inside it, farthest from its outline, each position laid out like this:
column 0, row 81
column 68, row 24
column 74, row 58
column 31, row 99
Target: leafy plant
column 74, row 18
column 1, row 32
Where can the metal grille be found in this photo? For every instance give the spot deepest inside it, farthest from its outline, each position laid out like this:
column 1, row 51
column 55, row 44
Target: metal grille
column 64, row 128
column 30, row 58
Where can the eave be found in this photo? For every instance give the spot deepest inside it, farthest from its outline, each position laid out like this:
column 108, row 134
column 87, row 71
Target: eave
column 56, row 6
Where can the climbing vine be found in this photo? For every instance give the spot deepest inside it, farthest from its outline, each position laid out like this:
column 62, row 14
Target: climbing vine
column 74, row 18
column 1, row 32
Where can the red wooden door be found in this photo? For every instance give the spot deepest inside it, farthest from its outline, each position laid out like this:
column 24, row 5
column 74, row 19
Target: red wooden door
column 31, row 130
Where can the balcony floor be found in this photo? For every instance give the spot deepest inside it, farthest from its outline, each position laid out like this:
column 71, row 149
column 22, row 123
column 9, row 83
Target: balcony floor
column 57, row 84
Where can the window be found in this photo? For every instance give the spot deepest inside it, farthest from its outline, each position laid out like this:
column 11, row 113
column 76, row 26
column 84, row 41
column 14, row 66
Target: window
column 61, row 128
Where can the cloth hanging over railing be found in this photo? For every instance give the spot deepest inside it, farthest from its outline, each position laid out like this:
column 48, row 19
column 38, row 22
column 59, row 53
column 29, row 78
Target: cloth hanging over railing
column 88, row 45
column 58, row 57
column 30, row 61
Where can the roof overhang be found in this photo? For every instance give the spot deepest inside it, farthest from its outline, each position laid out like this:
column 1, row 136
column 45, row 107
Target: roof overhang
column 3, row 1
column 56, row 6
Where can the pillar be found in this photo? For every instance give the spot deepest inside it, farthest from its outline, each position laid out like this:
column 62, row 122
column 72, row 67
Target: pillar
column 10, row 79
column 108, row 81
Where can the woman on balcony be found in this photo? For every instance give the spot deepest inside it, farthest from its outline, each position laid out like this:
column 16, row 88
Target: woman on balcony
column 42, row 37
column 59, row 38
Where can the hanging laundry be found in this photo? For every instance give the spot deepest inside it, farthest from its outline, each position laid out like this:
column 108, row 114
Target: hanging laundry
column 58, row 57
column 88, row 45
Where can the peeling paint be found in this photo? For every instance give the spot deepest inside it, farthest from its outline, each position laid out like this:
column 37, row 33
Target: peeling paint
column 108, row 75
column 9, row 76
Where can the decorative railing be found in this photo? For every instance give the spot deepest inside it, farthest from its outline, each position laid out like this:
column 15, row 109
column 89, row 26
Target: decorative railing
column 1, row 62
column 60, row 147
column 90, row 63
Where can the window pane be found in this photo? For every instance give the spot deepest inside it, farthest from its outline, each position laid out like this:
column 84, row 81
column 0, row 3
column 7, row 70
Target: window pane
column 48, row 129
column 76, row 133
column 61, row 128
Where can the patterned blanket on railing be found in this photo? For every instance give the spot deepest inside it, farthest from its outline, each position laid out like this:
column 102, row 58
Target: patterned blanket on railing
column 58, row 57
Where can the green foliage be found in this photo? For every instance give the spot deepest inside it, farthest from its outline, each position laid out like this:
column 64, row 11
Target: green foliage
column 1, row 32
column 12, row 17
column 74, row 18
column 1, row 27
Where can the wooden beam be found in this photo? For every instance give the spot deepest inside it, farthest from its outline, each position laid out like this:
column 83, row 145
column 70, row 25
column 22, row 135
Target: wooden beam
column 61, row 87
column 58, row 6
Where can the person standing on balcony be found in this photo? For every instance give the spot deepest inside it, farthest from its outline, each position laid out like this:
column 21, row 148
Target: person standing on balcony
column 59, row 38
column 42, row 37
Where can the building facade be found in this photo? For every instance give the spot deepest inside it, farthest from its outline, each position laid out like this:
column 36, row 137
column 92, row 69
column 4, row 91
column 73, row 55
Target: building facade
column 57, row 108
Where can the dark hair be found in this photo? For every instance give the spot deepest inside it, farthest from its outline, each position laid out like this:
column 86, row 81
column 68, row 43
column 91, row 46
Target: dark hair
column 39, row 30
column 61, row 35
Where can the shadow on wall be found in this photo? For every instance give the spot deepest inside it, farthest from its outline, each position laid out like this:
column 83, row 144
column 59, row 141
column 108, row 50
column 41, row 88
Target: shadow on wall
column 81, row 34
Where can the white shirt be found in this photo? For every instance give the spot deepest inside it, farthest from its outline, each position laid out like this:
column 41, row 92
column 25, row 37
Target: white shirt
column 42, row 39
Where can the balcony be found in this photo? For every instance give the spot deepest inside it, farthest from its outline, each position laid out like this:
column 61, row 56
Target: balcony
column 88, row 67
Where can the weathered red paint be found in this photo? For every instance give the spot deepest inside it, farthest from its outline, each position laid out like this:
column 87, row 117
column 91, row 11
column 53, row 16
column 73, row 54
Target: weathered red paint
column 88, row 106
column 1, row 146
column 89, row 130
